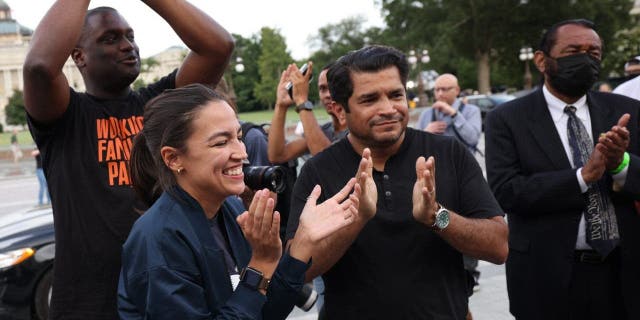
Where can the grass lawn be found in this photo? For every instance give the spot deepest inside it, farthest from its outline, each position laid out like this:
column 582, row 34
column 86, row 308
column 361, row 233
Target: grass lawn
column 292, row 117
column 24, row 137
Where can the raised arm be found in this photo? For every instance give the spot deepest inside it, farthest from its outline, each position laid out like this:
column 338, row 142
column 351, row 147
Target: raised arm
column 313, row 135
column 46, row 90
column 210, row 44
column 279, row 151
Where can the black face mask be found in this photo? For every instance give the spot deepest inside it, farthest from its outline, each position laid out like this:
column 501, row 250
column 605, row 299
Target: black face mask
column 574, row 74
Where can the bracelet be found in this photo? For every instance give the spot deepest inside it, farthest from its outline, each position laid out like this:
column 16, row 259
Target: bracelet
column 623, row 164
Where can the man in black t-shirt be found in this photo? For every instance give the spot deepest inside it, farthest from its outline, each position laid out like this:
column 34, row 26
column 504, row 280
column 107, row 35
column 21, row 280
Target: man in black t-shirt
column 85, row 138
column 402, row 258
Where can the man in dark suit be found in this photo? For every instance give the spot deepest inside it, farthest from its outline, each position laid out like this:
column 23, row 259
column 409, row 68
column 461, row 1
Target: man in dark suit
column 563, row 163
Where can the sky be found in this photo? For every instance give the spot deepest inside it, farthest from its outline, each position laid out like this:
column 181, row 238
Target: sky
column 296, row 20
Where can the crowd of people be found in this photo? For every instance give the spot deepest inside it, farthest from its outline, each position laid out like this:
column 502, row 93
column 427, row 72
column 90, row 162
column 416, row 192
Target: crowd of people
column 145, row 184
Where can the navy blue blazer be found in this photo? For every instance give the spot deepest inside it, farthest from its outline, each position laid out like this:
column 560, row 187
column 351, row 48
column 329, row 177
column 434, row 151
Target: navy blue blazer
column 173, row 269
column 532, row 179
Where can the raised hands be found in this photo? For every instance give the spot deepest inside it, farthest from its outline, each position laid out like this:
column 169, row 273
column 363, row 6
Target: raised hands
column 369, row 193
column 318, row 221
column 283, row 100
column 614, row 143
column 300, row 86
column 424, row 191
column 261, row 227
column 300, row 82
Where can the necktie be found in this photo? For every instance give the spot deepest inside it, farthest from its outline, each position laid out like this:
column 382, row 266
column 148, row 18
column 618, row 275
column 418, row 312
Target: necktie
column 602, row 226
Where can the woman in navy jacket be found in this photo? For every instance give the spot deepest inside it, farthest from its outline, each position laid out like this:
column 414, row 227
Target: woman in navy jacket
column 196, row 253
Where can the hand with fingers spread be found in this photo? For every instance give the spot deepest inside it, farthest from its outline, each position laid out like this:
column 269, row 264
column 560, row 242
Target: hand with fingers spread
column 424, row 191
column 318, row 221
column 300, row 82
column 261, row 227
column 614, row 143
column 369, row 191
column 283, row 100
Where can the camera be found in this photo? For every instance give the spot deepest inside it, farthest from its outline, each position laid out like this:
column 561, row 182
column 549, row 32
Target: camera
column 289, row 85
column 260, row 177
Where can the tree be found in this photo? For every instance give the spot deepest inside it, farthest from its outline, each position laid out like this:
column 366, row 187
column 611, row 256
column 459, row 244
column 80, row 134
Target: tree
column 335, row 40
column 139, row 83
column 272, row 60
column 491, row 32
column 147, row 64
column 14, row 111
column 248, row 49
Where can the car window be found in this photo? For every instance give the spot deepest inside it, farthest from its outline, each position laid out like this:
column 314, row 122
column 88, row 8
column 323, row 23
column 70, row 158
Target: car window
column 483, row 103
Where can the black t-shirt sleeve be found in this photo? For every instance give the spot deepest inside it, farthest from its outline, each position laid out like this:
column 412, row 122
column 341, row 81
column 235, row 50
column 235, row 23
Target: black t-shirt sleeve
column 156, row 88
column 477, row 200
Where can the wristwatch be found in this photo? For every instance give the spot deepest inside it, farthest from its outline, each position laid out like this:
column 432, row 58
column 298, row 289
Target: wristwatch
column 254, row 279
column 442, row 218
column 307, row 105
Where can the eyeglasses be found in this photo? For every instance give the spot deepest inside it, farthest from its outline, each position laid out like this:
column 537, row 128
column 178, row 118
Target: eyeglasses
column 443, row 89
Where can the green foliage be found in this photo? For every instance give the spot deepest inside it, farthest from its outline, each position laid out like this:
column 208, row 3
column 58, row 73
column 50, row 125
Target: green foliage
column 456, row 30
column 335, row 40
column 248, row 49
column 273, row 58
column 627, row 45
column 147, row 64
column 139, row 83
column 14, row 111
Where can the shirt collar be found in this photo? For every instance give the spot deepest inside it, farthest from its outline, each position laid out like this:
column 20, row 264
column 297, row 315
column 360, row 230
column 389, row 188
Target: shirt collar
column 556, row 106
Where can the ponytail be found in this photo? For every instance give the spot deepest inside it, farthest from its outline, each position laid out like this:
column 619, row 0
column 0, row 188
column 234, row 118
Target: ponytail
column 143, row 170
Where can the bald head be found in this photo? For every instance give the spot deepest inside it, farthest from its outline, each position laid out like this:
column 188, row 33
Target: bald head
column 446, row 88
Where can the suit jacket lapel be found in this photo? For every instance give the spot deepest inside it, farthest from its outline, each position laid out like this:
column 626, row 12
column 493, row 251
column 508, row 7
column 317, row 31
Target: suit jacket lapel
column 599, row 114
column 544, row 131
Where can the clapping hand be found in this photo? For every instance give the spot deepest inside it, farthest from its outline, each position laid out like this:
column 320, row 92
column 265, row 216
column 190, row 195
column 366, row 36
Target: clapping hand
column 369, row 193
column 318, row 221
column 424, row 191
column 261, row 227
column 614, row 143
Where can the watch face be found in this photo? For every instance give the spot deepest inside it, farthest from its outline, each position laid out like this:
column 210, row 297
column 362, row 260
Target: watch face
column 442, row 219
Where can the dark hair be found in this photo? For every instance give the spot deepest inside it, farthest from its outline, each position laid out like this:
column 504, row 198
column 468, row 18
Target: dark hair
column 328, row 66
column 368, row 59
column 550, row 37
column 167, row 122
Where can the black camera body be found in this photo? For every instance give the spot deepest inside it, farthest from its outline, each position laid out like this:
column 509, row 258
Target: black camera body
column 260, row 177
column 289, row 85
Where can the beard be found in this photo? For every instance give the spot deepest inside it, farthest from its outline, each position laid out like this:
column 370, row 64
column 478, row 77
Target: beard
column 370, row 138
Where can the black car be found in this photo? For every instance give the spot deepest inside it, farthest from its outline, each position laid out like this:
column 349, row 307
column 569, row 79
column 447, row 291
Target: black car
column 27, row 250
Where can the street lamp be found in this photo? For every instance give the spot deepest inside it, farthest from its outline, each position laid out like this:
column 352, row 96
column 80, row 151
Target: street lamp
column 417, row 58
column 526, row 54
column 239, row 68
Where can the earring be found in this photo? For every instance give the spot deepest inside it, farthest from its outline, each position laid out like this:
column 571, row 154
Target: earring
column 179, row 170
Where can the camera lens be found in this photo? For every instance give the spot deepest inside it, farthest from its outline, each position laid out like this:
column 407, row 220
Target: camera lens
column 307, row 297
column 260, row 177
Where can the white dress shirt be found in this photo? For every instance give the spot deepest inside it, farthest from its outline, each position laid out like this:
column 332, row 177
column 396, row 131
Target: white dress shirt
column 556, row 108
